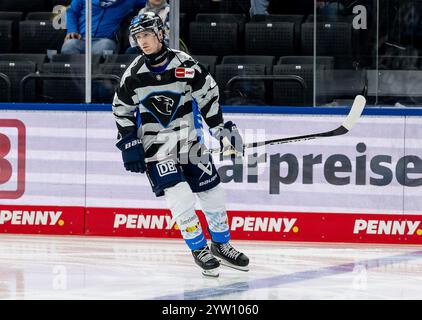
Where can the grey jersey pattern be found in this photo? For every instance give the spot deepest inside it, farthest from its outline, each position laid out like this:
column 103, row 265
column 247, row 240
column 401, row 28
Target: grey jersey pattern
column 164, row 103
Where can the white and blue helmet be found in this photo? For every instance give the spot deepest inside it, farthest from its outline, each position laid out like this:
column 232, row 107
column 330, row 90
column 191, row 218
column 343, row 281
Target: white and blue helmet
column 146, row 21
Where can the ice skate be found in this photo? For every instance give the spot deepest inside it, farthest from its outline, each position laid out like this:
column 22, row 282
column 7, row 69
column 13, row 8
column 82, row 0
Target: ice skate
column 209, row 264
column 229, row 256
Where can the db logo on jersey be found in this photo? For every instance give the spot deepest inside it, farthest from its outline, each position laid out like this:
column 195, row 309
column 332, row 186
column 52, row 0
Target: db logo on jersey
column 165, row 168
column 12, row 158
column 185, row 73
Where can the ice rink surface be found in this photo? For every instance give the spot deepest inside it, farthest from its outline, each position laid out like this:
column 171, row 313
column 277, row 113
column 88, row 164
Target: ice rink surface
column 85, row 267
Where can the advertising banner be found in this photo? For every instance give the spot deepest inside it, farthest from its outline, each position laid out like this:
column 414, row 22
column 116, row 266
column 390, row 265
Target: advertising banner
column 264, row 225
column 42, row 175
column 42, row 219
column 364, row 186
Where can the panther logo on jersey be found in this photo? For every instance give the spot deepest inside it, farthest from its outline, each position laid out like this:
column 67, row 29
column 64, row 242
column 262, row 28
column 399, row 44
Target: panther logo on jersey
column 162, row 105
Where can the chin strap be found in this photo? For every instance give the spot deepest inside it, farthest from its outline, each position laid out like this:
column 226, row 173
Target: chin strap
column 158, row 57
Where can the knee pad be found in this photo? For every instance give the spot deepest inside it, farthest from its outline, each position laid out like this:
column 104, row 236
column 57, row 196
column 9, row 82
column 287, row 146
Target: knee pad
column 212, row 200
column 181, row 202
column 180, row 199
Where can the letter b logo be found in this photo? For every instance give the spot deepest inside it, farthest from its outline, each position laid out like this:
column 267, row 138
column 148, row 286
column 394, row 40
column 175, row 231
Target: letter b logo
column 5, row 166
column 12, row 158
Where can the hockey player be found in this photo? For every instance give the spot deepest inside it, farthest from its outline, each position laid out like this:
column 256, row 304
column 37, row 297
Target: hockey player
column 156, row 108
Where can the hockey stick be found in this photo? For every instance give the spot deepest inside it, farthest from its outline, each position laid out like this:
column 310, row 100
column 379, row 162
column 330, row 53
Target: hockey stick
column 346, row 126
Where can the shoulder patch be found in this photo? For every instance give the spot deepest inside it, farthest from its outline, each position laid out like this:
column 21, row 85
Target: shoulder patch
column 187, row 73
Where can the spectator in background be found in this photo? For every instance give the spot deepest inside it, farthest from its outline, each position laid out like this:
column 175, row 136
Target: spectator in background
column 259, row 7
column 106, row 18
column 160, row 8
column 329, row 8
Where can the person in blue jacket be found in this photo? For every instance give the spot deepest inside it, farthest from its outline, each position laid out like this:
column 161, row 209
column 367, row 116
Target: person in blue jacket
column 259, row 7
column 106, row 18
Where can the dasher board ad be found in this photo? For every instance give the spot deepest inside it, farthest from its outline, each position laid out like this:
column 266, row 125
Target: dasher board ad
column 59, row 165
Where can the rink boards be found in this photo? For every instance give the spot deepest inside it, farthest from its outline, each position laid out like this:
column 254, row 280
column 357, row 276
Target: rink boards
column 60, row 173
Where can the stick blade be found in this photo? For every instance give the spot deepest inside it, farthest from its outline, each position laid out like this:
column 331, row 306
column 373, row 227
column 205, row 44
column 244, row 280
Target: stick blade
column 355, row 112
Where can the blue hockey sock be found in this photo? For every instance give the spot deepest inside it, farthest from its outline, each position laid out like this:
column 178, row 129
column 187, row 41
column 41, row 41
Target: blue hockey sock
column 218, row 226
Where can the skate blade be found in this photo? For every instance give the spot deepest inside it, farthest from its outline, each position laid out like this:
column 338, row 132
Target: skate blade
column 233, row 266
column 213, row 273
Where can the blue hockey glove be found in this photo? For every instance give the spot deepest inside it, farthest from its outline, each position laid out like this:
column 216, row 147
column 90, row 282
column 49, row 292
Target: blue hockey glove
column 231, row 143
column 132, row 153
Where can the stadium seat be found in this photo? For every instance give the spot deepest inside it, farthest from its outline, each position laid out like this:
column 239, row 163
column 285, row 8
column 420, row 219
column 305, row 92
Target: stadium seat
column 64, row 90
column 103, row 90
column 120, row 58
column 272, row 38
column 39, row 36
column 330, row 18
column 113, row 68
column 63, row 68
column 288, row 93
column 278, row 18
column 73, row 90
column 208, row 61
column 327, row 61
column 36, row 58
column 333, row 39
column 239, row 18
column 218, row 39
column 79, row 58
column 242, row 92
column 11, row 15
column 5, row 91
column 40, row 15
column 297, row 19
column 16, row 70
column 6, row 43
column 22, row 5
column 15, row 17
column 268, row 61
column 192, row 7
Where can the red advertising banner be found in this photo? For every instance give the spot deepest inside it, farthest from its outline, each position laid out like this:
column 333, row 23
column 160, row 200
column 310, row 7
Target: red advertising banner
column 244, row 225
column 263, row 225
column 131, row 222
column 42, row 219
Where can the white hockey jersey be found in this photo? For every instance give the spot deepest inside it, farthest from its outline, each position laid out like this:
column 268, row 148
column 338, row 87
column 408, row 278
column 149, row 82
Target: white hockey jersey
column 162, row 106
